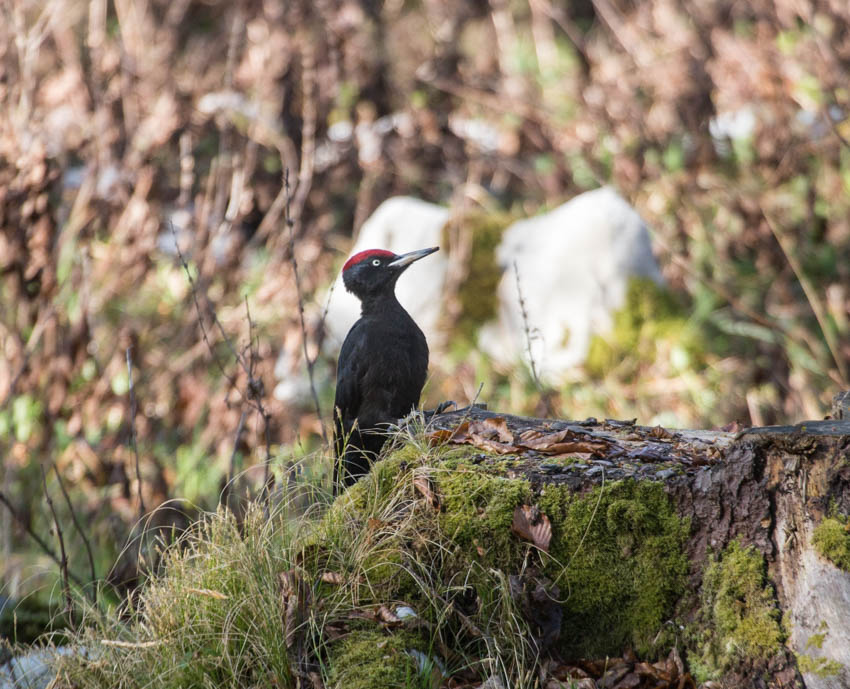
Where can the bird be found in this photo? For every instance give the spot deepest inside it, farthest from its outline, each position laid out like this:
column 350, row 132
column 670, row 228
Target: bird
column 382, row 364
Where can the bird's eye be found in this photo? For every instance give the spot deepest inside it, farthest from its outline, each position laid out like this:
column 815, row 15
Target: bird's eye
column 376, row 262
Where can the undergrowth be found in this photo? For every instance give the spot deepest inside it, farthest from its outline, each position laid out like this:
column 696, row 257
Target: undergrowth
column 295, row 596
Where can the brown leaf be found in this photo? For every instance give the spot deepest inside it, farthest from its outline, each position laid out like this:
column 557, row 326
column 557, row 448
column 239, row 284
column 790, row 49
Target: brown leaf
column 560, row 442
column 387, row 616
column 532, row 525
column 661, row 432
column 493, row 446
column 498, row 425
column 422, row 483
column 444, row 435
column 676, row 660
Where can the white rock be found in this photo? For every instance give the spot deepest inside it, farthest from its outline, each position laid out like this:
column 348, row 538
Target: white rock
column 574, row 265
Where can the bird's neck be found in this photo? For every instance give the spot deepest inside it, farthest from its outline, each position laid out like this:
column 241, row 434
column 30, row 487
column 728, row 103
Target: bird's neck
column 380, row 304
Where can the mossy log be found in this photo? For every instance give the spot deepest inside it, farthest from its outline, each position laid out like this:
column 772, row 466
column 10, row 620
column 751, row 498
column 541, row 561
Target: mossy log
column 767, row 595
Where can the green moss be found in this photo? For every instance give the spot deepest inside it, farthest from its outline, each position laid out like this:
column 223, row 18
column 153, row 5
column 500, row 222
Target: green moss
column 478, row 292
column 478, row 509
column 369, row 659
column 832, row 540
column 738, row 611
column 819, row 666
column 651, row 314
column 619, row 562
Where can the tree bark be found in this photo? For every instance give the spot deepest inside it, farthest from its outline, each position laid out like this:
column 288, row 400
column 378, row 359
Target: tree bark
column 767, row 487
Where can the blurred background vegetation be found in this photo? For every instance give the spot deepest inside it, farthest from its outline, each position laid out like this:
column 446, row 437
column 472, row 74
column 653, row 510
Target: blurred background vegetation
column 129, row 122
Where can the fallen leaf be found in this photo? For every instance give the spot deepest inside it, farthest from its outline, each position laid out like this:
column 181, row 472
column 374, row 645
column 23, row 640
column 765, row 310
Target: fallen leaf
column 660, row 432
column 423, row 485
column 445, row 435
column 387, row 616
column 498, row 425
column 561, row 442
column 493, row 446
column 532, row 525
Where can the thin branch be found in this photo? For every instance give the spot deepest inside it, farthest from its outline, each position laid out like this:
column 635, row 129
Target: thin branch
column 310, row 362
column 199, row 311
column 46, row 549
column 133, row 443
column 544, row 395
column 63, row 564
column 255, row 385
column 79, row 528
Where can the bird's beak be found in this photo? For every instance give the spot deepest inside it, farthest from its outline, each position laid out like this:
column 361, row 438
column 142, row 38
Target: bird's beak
column 406, row 259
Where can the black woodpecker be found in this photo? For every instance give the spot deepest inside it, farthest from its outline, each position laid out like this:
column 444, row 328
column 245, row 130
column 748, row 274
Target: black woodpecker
column 382, row 364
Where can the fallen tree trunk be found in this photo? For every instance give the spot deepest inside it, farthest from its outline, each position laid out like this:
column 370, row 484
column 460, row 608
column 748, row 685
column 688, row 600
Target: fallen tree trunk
column 776, row 497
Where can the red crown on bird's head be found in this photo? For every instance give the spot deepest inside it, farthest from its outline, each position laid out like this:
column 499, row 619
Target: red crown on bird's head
column 363, row 255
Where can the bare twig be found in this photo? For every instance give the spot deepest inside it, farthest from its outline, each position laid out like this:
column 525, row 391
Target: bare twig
column 133, row 442
column 63, row 563
column 544, row 394
column 199, row 311
column 78, row 527
column 310, row 362
column 46, row 549
column 256, row 389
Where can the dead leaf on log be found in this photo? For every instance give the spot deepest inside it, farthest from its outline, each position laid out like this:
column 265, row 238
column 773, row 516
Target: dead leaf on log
column 499, row 426
column 422, row 484
column 561, row 442
column 455, row 435
column 661, row 433
column 532, row 525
